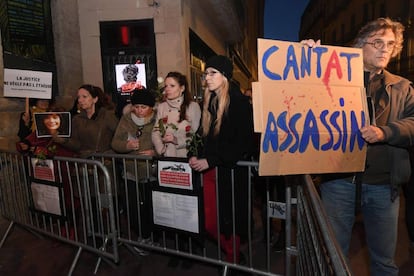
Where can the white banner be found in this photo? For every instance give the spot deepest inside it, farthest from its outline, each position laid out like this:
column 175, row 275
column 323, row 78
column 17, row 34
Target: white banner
column 27, row 84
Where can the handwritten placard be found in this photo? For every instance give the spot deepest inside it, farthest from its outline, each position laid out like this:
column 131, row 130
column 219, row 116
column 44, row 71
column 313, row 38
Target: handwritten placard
column 309, row 105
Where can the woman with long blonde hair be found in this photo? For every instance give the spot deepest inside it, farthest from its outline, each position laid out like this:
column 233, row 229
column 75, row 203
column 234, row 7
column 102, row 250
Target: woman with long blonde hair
column 227, row 131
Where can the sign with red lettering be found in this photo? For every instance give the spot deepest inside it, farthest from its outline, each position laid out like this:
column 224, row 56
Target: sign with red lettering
column 174, row 174
column 309, row 105
column 43, row 169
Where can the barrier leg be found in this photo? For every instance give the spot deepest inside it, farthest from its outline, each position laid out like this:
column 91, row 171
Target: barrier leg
column 6, row 233
column 75, row 261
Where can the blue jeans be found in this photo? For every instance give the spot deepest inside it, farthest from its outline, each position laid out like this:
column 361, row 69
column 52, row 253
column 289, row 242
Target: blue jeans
column 380, row 220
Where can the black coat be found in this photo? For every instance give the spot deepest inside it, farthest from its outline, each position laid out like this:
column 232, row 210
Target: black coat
column 233, row 143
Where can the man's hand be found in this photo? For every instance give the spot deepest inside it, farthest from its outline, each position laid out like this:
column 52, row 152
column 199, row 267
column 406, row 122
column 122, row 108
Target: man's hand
column 372, row 134
column 311, row 43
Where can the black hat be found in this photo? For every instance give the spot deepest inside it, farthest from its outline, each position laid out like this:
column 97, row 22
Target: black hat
column 142, row 96
column 222, row 64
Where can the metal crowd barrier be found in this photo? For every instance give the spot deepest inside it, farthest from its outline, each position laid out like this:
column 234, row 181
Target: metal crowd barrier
column 310, row 247
column 318, row 252
column 68, row 199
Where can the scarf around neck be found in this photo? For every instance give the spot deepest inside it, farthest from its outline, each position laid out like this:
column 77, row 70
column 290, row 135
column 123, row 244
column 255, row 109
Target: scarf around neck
column 142, row 121
column 176, row 103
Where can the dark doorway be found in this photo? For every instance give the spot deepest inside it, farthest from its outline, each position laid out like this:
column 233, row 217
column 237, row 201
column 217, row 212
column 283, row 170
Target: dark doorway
column 127, row 42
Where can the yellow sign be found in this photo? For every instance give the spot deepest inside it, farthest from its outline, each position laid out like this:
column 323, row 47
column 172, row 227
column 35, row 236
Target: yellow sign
column 309, row 105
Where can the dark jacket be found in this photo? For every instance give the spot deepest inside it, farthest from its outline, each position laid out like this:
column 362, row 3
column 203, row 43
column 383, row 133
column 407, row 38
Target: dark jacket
column 233, row 143
column 24, row 130
column 92, row 135
column 398, row 129
column 235, row 140
column 125, row 128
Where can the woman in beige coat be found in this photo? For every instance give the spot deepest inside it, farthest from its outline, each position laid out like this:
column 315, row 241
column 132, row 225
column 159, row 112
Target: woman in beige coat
column 177, row 118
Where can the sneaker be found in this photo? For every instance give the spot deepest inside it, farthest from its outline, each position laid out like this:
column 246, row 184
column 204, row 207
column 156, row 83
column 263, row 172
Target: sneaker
column 140, row 251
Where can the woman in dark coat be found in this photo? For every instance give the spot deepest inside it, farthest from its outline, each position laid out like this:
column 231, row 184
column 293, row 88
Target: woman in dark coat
column 227, row 126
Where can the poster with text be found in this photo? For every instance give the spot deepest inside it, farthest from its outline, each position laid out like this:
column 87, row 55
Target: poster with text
column 46, row 198
column 27, row 84
column 173, row 174
column 176, row 211
column 43, row 169
column 309, row 104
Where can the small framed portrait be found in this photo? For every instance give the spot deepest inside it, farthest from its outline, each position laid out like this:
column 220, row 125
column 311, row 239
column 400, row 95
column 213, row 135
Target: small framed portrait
column 51, row 123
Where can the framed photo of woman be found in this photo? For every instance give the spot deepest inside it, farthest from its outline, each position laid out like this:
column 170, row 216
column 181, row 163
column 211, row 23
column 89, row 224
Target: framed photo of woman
column 50, row 123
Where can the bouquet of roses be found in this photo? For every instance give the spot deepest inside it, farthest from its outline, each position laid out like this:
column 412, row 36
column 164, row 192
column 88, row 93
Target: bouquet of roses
column 163, row 125
column 44, row 152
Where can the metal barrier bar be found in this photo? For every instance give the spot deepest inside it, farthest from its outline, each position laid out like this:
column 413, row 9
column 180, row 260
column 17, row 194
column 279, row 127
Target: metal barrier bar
column 68, row 199
column 97, row 216
column 318, row 251
column 260, row 261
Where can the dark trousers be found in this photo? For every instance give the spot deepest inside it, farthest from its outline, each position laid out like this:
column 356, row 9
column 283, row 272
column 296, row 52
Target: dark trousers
column 409, row 208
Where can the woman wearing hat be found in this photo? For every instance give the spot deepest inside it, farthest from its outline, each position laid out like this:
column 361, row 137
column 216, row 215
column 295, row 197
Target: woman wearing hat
column 227, row 130
column 133, row 136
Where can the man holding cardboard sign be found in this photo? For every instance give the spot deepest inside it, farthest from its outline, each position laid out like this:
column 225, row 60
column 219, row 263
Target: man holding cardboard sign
column 387, row 159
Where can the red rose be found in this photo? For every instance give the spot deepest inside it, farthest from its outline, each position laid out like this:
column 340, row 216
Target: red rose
column 39, row 150
column 165, row 120
column 187, row 128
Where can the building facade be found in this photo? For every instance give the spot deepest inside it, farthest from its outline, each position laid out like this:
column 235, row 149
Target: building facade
column 337, row 23
column 91, row 36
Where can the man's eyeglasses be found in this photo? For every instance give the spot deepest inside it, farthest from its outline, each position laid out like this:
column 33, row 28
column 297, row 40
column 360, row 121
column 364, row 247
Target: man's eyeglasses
column 379, row 44
column 209, row 73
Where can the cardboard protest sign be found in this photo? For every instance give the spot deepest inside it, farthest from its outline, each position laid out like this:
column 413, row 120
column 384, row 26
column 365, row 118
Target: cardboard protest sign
column 27, row 84
column 309, row 105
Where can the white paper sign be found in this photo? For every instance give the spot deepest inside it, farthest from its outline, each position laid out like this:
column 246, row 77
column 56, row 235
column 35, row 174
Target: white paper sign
column 46, row 198
column 176, row 211
column 27, row 84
